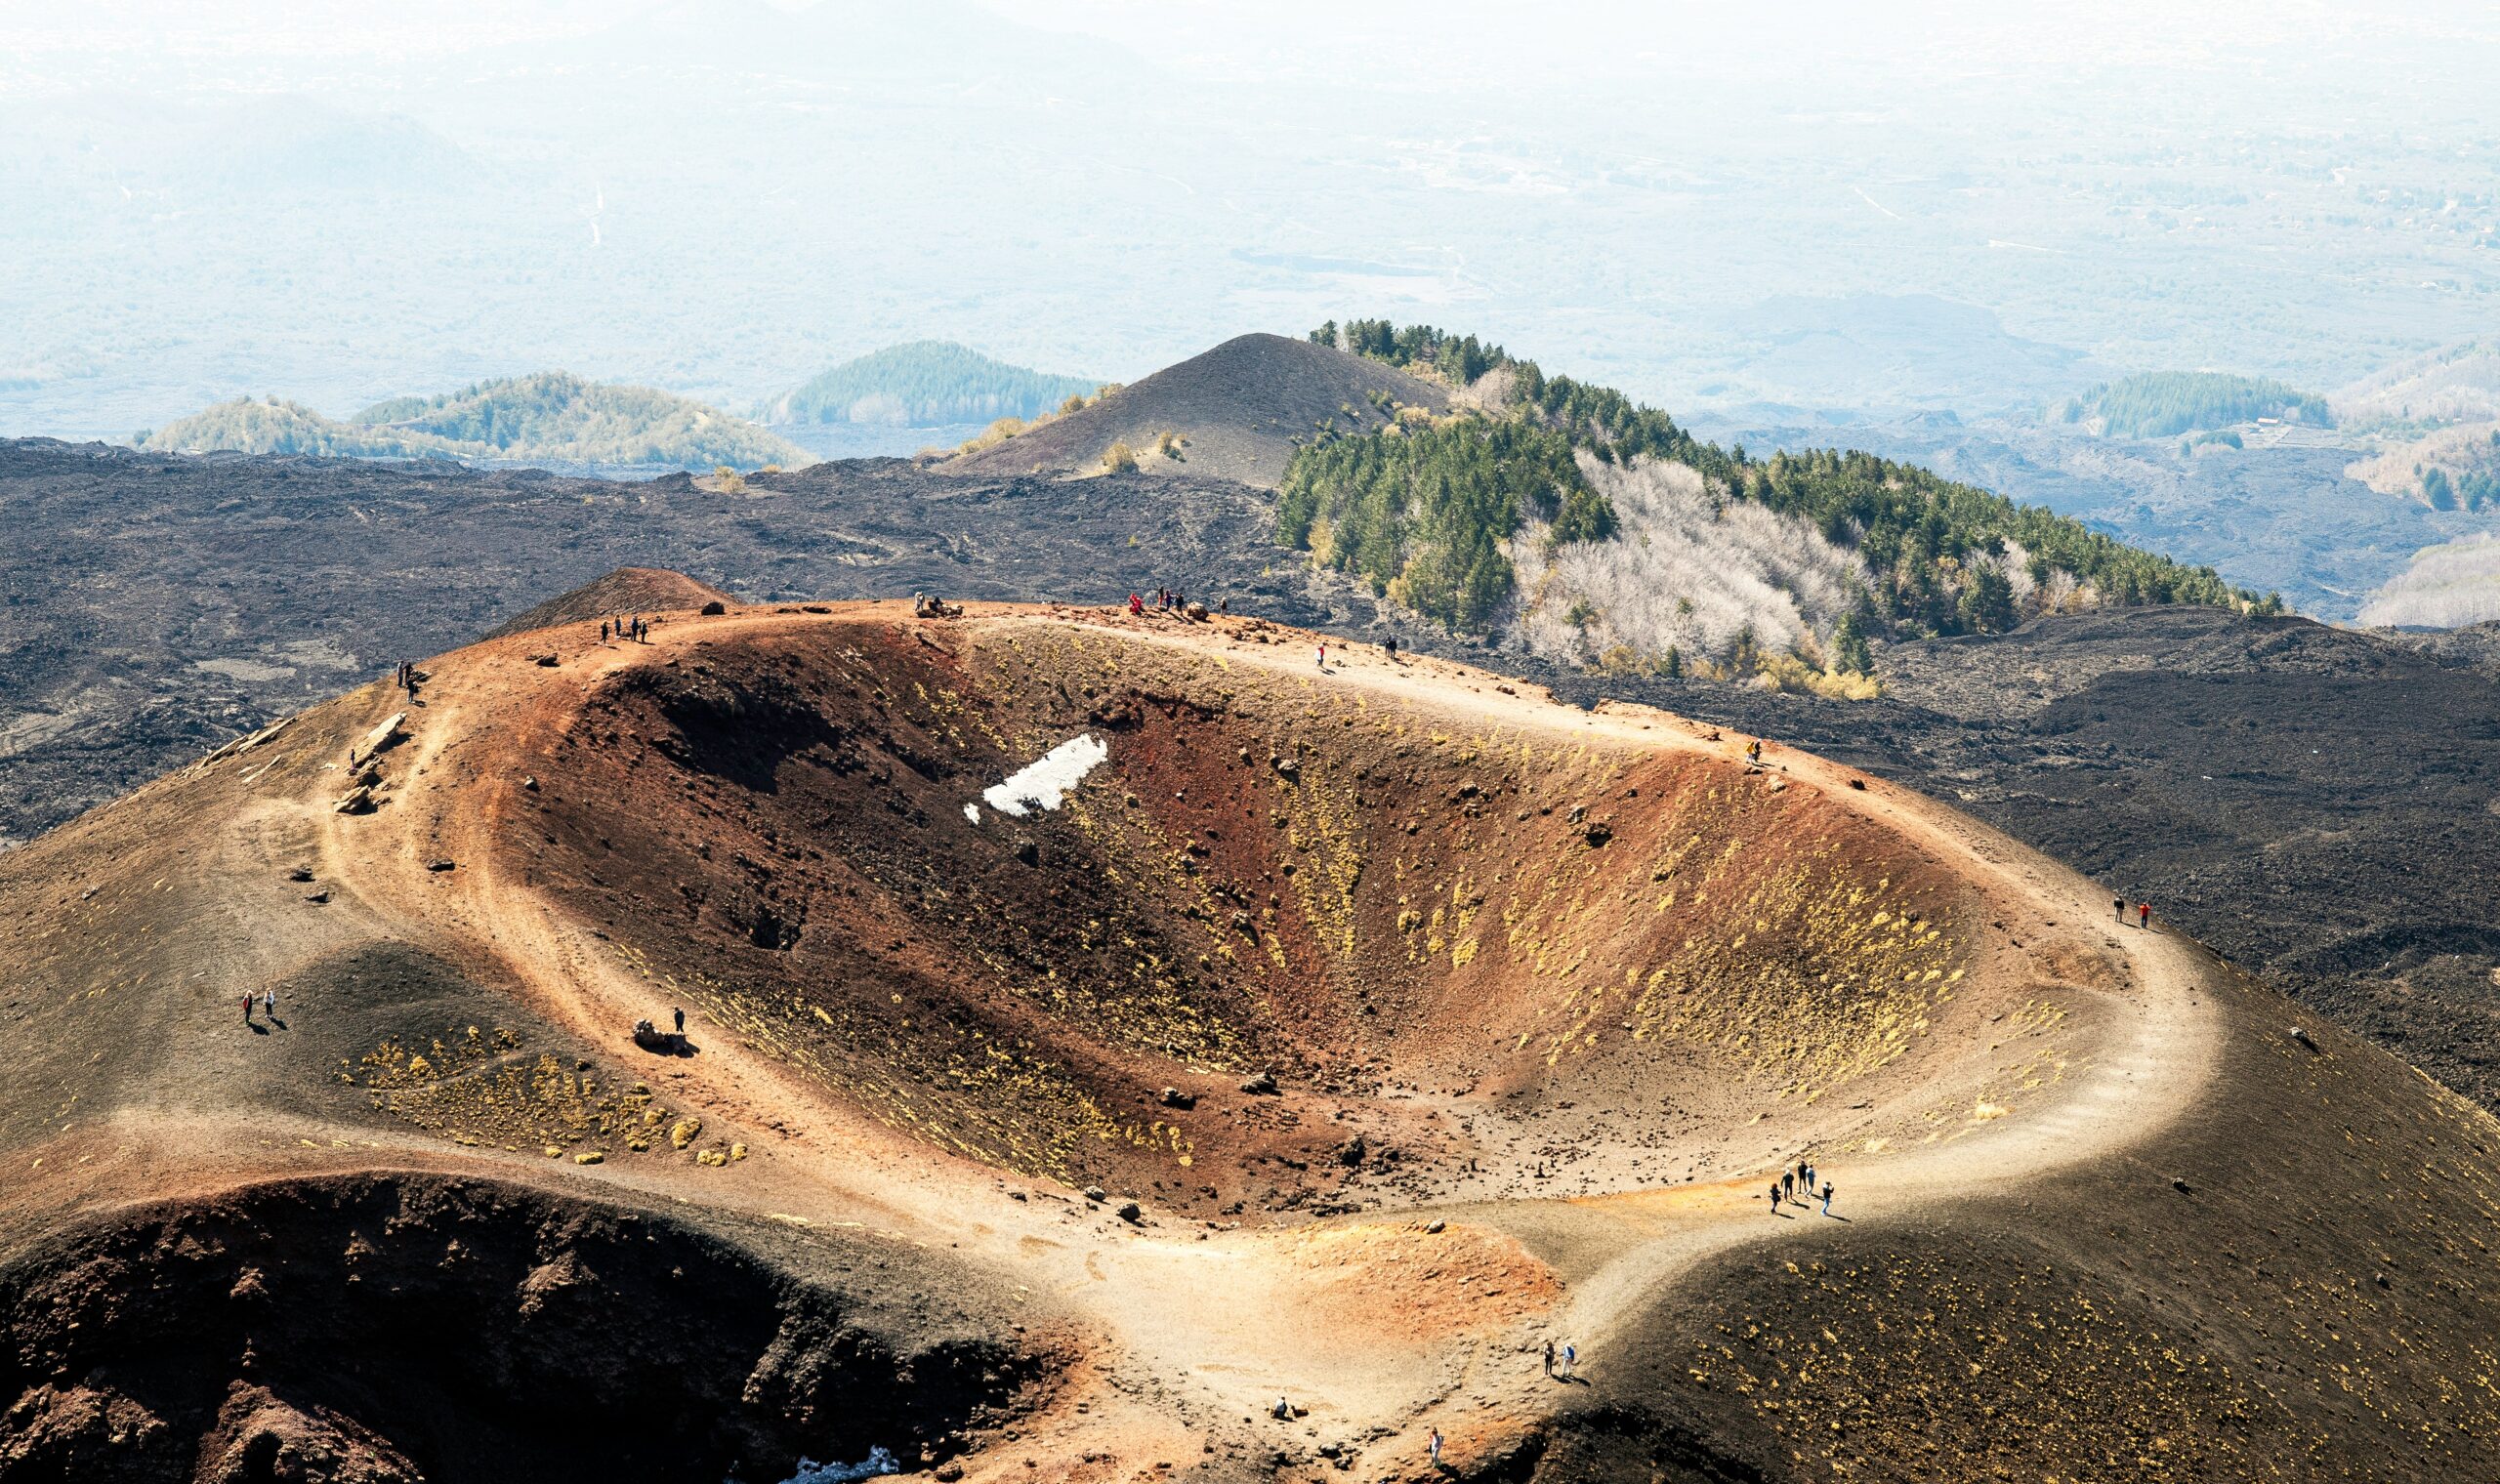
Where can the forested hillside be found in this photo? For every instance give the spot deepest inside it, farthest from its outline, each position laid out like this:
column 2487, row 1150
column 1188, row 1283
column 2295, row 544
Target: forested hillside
column 1630, row 566
column 553, row 415
column 2159, row 404
column 926, row 382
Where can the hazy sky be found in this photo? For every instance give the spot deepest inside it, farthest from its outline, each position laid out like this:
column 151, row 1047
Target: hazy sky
column 1826, row 204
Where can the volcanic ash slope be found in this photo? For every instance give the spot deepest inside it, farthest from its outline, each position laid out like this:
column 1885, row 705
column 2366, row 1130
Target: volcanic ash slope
column 1099, row 1027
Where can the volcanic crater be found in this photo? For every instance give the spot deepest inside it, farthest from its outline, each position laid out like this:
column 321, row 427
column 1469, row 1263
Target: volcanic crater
column 1103, row 1028
column 1293, row 946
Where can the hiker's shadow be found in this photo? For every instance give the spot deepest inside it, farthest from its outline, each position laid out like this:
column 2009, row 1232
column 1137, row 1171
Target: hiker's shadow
column 280, row 1024
column 257, row 1029
column 1572, row 1381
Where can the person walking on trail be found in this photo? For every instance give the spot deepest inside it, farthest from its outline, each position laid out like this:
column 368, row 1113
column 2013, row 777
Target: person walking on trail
column 269, row 1004
column 1391, row 644
column 1775, row 1198
column 1549, row 1360
column 2120, row 906
column 1436, row 1448
column 1323, row 656
column 247, row 1006
column 1787, row 1183
column 1806, row 1175
column 2144, row 914
column 680, row 1013
column 1828, row 1198
column 1753, row 753
column 1570, row 1359
column 603, row 631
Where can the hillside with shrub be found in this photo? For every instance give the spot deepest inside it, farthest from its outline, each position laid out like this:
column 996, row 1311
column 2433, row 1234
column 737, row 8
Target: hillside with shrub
column 2451, row 469
column 553, row 415
column 257, row 425
column 2454, row 384
column 926, row 382
column 558, row 415
column 1605, row 533
column 2160, row 404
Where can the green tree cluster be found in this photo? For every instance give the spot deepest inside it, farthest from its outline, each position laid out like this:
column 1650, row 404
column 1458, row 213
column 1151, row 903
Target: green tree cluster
column 1919, row 534
column 2158, row 404
column 1421, row 516
column 1461, row 358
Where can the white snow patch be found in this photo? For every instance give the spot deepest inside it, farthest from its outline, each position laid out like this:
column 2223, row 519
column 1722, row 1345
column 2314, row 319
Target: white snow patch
column 1045, row 784
column 972, row 812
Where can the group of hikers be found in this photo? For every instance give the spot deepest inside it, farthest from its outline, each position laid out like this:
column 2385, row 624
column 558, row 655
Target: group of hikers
column 269, row 1006
column 404, row 676
column 624, row 628
column 1172, row 601
column 1797, row 1187
column 2143, row 912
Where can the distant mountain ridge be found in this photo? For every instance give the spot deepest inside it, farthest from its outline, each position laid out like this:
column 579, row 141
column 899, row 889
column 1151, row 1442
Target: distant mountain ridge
column 925, row 383
column 552, row 414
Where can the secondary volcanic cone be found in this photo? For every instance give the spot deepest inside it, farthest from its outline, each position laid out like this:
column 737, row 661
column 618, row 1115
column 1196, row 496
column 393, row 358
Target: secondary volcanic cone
column 1106, row 1025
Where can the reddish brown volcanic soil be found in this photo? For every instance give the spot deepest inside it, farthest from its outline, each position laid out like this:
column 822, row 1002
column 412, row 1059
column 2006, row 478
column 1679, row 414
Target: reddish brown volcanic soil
column 1420, row 1020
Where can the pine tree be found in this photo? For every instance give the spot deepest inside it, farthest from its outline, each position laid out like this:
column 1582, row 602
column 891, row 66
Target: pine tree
column 1850, row 650
column 1988, row 601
